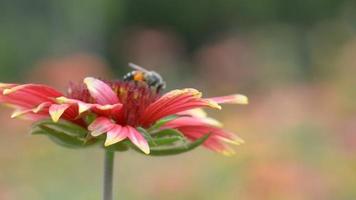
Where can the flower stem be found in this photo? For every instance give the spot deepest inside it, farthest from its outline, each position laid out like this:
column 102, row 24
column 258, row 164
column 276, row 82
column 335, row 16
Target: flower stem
column 108, row 175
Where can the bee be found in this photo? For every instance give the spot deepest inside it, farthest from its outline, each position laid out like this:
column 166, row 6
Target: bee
column 152, row 78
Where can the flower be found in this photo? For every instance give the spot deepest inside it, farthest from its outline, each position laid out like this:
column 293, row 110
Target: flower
column 120, row 109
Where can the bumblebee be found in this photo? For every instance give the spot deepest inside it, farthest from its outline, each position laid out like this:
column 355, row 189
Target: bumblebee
column 152, row 78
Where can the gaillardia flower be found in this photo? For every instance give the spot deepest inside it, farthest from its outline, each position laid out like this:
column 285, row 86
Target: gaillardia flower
column 123, row 113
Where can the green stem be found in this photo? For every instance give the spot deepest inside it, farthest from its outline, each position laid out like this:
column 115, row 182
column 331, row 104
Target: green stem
column 108, row 175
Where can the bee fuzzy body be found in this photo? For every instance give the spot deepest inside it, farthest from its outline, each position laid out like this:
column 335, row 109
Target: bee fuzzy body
column 151, row 78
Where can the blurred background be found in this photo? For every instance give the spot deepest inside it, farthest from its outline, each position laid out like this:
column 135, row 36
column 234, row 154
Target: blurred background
column 294, row 59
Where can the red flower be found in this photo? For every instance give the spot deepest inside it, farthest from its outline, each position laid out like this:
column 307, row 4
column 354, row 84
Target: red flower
column 120, row 107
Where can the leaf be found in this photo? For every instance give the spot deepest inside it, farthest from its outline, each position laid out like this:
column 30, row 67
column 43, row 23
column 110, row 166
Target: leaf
column 120, row 146
column 168, row 137
column 89, row 118
column 168, row 133
column 58, row 137
column 63, row 133
column 162, row 122
column 64, row 126
column 178, row 149
column 165, row 141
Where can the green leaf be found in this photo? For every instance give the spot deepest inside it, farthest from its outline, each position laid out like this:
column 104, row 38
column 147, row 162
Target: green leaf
column 162, row 122
column 177, row 149
column 165, row 141
column 63, row 133
column 89, row 118
column 121, row 146
column 168, row 137
column 168, row 133
column 58, row 137
column 65, row 127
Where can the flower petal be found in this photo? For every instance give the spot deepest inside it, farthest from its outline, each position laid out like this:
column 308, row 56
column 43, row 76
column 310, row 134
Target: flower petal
column 100, row 91
column 20, row 112
column 115, row 135
column 231, row 99
column 174, row 102
column 194, row 128
column 217, row 146
column 4, row 86
column 57, row 110
column 217, row 133
column 28, row 95
column 33, row 117
column 96, row 108
column 100, row 125
column 43, row 107
column 194, row 121
column 213, row 143
column 41, row 90
column 183, row 106
column 138, row 139
column 107, row 110
column 197, row 112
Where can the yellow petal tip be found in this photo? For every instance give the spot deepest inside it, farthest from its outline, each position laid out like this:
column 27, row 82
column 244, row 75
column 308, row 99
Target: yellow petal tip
column 88, row 80
column 55, row 116
column 106, row 144
column 146, row 151
column 241, row 99
column 15, row 114
column 238, row 141
column 228, row 153
column 7, row 91
column 19, row 113
column 61, row 100
column 83, row 108
column 213, row 104
column 55, row 119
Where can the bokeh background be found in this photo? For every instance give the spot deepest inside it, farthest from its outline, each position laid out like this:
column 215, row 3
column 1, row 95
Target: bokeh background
column 294, row 59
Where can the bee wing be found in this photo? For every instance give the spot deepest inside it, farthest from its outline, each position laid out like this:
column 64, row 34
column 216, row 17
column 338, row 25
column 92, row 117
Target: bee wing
column 139, row 68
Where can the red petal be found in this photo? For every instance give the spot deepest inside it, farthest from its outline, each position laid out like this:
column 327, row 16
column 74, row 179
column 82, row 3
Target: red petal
column 174, row 102
column 57, row 110
column 41, row 109
column 100, row 125
column 28, row 95
column 231, row 99
column 195, row 128
column 138, row 139
column 115, row 135
column 100, row 91
column 106, row 110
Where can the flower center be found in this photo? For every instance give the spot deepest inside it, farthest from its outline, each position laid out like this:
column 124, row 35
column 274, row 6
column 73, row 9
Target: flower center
column 135, row 97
